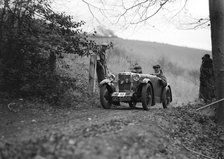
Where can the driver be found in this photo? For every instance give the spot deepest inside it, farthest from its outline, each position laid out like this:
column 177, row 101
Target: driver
column 159, row 73
column 137, row 68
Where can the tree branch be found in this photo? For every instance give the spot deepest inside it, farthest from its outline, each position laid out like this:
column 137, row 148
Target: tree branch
column 182, row 8
column 148, row 17
column 134, row 12
column 130, row 8
column 201, row 23
column 89, row 5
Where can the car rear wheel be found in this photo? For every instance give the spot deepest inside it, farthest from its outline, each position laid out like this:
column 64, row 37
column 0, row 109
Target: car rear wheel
column 146, row 96
column 105, row 97
column 167, row 99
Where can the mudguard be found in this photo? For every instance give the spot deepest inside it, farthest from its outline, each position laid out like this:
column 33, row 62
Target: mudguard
column 109, row 83
column 106, row 81
column 164, row 92
column 146, row 80
column 170, row 93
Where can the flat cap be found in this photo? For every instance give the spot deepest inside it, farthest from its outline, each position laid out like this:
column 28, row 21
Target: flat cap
column 156, row 66
column 206, row 56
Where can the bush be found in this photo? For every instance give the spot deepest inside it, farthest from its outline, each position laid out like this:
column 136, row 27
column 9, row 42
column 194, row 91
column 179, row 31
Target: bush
column 32, row 39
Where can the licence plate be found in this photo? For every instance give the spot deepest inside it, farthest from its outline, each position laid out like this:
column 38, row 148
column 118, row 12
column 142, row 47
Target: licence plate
column 121, row 94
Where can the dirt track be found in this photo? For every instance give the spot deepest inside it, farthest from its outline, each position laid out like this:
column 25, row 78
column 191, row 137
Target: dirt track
column 91, row 132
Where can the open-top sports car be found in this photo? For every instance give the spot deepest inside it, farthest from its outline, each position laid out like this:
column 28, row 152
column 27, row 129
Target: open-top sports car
column 133, row 88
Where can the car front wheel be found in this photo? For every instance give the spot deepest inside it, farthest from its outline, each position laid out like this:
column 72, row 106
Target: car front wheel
column 146, row 96
column 105, row 97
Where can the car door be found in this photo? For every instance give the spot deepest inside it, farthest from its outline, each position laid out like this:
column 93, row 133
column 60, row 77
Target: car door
column 157, row 89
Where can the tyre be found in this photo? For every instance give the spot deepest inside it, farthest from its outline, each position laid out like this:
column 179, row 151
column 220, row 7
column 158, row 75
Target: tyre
column 167, row 98
column 132, row 104
column 146, row 96
column 105, row 97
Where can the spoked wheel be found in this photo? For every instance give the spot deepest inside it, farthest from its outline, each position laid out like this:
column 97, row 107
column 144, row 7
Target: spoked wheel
column 146, row 96
column 105, row 97
column 132, row 104
column 167, row 99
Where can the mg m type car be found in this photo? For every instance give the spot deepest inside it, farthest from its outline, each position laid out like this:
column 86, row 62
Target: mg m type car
column 133, row 88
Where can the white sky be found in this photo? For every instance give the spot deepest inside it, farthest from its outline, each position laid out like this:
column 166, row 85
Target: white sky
column 160, row 28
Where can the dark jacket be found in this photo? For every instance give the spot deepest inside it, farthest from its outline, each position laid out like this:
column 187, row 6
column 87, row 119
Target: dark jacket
column 207, row 80
column 162, row 77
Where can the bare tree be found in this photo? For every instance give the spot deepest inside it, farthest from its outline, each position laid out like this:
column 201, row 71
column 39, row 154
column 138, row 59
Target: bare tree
column 216, row 8
column 133, row 12
column 127, row 11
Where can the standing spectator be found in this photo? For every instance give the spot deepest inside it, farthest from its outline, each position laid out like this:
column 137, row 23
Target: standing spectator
column 101, row 67
column 207, row 80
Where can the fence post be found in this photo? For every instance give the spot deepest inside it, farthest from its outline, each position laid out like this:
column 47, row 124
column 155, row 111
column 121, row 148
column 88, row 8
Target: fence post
column 92, row 74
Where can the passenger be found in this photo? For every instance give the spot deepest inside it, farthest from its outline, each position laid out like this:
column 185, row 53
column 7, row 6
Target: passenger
column 159, row 73
column 137, row 68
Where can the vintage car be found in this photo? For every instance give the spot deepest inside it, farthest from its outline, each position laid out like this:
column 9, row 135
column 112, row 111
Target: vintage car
column 133, row 88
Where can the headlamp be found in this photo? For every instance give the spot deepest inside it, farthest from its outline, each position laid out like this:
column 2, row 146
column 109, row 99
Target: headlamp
column 136, row 77
column 112, row 77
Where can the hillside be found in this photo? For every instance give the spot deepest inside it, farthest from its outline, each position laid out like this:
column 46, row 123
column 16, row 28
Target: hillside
column 142, row 50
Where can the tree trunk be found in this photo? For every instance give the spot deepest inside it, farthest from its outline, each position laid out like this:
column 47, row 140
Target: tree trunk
column 216, row 8
column 92, row 73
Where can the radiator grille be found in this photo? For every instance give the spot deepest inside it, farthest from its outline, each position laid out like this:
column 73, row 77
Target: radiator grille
column 124, row 83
